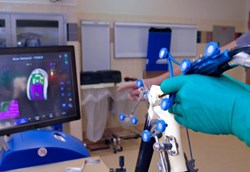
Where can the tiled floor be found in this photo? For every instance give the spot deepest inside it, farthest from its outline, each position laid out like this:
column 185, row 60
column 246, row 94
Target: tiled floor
column 211, row 152
column 130, row 153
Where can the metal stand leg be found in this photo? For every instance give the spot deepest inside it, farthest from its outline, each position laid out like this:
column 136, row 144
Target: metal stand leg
column 145, row 153
column 116, row 144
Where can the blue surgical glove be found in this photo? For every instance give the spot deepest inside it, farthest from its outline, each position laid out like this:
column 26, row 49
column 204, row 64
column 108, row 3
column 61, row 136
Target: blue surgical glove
column 213, row 105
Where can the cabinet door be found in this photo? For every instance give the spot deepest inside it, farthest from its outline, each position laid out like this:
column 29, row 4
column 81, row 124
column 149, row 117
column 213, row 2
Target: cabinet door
column 5, row 31
column 38, row 30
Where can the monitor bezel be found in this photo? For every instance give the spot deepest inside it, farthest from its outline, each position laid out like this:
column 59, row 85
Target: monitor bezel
column 54, row 121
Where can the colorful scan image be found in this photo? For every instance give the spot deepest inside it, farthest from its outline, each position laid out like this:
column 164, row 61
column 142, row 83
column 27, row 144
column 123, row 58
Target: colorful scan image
column 37, row 85
column 19, row 86
column 9, row 109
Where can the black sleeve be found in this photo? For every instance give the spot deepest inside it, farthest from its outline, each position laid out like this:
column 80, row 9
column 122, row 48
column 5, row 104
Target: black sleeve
column 244, row 39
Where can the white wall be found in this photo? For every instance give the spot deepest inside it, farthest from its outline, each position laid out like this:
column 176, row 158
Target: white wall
column 203, row 13
column 212, row 153
column 193, row 9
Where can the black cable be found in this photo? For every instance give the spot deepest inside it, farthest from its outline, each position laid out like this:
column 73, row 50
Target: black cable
column 236, row 50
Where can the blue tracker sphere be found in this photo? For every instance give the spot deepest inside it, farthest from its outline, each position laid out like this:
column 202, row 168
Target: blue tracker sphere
column 139, row 83
column 134, row 120
column 161, row 125
column 165, row 103
column 146, row 135
column 146, row 96
column 163, row 53
column 212, row 49
column 185, row 65
column 122, row 117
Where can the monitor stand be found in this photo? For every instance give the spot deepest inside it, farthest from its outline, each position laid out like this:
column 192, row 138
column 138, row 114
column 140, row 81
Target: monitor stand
column 37, row 147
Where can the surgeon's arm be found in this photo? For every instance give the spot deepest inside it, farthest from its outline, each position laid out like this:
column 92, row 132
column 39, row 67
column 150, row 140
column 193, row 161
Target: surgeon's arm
column 244, row 39
column 133, row 89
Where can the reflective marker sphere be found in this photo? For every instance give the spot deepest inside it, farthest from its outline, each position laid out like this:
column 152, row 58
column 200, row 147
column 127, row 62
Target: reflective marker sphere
column 134, row 120
column 146, row 95
column 212, row 49
column 161, row 125
column 122, row 116
column 185, row 65
column 163, row 53
column 165, row 104
column 139, row 83
column 146, row 135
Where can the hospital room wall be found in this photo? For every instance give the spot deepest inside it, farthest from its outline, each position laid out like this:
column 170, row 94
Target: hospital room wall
column 204, row 14
column 212, row 152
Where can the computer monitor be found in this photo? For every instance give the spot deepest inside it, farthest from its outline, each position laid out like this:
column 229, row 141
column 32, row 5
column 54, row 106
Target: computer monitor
column 38, row 88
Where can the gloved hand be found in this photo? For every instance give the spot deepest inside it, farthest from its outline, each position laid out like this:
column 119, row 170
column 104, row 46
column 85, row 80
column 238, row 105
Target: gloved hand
column 213, row 105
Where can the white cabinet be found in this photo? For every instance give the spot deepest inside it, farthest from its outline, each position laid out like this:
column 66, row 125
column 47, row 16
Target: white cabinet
column 31, row 29
column 95, row 45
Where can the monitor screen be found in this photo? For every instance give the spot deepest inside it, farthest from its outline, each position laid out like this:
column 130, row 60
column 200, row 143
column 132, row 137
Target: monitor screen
column 38, row 87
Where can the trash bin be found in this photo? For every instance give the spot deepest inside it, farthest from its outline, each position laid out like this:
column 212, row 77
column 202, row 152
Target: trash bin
column 96, row 105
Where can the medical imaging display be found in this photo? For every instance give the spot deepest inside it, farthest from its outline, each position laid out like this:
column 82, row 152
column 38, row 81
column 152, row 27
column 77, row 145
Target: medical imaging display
column 38, row 87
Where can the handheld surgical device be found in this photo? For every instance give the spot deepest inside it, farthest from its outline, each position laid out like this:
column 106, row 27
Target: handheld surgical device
column 160, row 124
column 213, row 62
